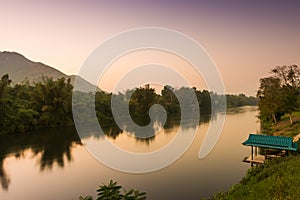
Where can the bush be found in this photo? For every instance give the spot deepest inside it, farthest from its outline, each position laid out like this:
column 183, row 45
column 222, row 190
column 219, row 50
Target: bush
column 112, row 191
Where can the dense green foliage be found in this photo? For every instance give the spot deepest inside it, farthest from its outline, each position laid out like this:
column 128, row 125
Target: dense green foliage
column 52, row 99
column 279, row 94
column 112, row 191
column 240, row 100
column 141, row 99
column 27, row 107
column 277, row 179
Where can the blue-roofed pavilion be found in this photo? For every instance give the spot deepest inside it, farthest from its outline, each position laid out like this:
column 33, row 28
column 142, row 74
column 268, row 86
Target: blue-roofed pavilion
column 268, row 141
column 273, row 142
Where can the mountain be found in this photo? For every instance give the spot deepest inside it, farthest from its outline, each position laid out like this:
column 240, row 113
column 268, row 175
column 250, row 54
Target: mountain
column 19, row 68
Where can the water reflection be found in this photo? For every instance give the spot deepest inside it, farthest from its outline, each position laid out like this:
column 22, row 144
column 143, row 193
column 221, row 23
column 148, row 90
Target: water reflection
column 53, row 146
column 42, row 156
column 5, row 179
column 114, row 131
column 243, row 109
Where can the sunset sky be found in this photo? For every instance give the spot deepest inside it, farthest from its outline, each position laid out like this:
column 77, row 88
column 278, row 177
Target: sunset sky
column 245, row 39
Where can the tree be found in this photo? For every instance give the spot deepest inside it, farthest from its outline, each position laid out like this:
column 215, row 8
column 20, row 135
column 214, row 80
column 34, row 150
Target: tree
column 6, row 112
column 25, row 116
column 269, row 95
column 52, row 99
column 204, row 101
column 140, row 102
column 4, row 82
column 168, row 93
column 279, row 93
column 103, row 108
column 170, row 101
column 289, row 77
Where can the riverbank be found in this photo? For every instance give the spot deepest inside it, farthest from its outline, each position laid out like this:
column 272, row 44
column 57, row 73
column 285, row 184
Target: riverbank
column 278, row 178
column 284, row 128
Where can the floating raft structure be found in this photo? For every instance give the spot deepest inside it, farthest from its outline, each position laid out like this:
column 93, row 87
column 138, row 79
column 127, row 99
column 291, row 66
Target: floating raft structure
column 267, row 141
column 257, row 159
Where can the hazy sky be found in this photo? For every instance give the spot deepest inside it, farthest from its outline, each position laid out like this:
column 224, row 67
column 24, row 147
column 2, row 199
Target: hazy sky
column 244, row 38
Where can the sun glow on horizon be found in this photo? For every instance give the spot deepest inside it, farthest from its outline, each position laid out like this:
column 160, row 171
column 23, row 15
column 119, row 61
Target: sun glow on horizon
column 143, row 65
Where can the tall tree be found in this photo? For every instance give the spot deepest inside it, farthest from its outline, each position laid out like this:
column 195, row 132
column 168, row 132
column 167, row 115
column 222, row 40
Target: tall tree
column 269, row 95
column 289, row 77
column 140, row 102
column 25, row 117
column 4, row 82
column 53, row 101
column 5, row 104
column 279, row 93
column 168, row 93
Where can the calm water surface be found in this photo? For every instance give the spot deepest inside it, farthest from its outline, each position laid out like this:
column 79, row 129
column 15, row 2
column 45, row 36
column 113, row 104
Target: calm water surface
column 54, row 164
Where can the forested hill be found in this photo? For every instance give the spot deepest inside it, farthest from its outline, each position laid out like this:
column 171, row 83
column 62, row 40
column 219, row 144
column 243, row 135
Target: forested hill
column 20, row 69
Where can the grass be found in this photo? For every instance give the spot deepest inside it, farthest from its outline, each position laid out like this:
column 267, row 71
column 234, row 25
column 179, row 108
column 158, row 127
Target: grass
column 284, row 128
column 277, row 179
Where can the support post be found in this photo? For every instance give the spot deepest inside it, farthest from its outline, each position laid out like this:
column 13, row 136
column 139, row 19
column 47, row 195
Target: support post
column 251, row 156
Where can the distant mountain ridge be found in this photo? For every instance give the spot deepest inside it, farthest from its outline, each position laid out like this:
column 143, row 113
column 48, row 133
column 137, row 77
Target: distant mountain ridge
column 19, row 69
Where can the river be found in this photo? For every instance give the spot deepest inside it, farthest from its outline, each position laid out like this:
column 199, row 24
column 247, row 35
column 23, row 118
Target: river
column 55, row 164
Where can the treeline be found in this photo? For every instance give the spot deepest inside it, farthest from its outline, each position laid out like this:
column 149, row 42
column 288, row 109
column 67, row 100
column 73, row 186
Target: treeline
column 140, row 100
column 279, row 94
column 26, row 107
column 240, row 100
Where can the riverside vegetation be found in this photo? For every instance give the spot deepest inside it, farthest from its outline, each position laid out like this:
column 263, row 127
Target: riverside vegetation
column 279, row 105
column 27, row 107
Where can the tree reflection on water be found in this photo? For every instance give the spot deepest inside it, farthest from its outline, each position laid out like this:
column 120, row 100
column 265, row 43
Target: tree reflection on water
column 53, row 146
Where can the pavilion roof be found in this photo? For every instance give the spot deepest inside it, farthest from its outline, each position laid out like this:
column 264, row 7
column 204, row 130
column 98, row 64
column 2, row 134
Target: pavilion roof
column 274, row 142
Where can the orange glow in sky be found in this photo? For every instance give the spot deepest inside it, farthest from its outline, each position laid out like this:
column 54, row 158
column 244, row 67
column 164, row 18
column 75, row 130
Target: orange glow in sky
column 149, row 57
column 244, row 38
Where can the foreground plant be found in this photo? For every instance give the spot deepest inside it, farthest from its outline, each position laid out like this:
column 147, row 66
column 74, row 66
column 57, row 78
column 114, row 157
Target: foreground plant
column 112, row 191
